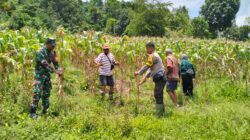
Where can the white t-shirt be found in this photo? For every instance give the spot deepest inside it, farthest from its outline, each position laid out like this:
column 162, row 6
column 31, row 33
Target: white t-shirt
column 105, row 69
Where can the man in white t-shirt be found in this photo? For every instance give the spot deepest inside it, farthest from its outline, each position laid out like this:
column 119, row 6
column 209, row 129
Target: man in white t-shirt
column 106, row 63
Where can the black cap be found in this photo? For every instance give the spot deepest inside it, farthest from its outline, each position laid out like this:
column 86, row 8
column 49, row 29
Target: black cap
column 51, row 41
column 150, row 45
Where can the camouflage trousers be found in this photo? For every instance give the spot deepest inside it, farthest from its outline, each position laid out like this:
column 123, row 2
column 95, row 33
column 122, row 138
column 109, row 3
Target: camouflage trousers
column 42, row 88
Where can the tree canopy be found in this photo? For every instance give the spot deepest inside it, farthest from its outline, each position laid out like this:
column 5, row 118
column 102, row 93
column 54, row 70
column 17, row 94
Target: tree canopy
column 115, row 17
column 220, row 13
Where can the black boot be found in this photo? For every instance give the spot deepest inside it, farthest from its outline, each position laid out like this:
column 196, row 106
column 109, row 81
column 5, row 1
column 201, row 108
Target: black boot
column 44, row 112
column 33, row 114
column 45, row 109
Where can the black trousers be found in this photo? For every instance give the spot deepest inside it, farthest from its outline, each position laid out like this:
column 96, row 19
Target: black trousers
column 158, row 91
column 187, row 85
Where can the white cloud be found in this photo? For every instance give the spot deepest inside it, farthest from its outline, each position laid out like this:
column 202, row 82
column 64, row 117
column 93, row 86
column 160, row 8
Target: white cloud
column 243, row 13
column 195, row 5
column 192, row 5
column 187, row 3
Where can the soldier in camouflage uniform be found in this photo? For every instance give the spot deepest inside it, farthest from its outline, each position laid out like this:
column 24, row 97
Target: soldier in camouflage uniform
column 42, row 84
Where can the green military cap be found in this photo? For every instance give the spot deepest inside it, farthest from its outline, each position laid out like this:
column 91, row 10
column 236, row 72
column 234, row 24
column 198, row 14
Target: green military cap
column 51, row 41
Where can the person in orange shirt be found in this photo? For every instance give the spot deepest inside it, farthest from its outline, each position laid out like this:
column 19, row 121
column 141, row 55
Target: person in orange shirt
column 172, row 75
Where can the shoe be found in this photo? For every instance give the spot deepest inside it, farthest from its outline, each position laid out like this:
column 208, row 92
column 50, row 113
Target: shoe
column 33, row 116
column 44, row 112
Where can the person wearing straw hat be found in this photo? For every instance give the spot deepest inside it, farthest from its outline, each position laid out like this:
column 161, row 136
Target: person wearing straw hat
column 172, row 75
column 156, row 71
column 106, row 63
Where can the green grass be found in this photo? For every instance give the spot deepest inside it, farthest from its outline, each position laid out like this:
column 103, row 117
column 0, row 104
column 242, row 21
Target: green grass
column 223, row 114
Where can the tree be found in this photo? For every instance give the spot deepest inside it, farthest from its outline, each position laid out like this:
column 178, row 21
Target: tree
column 200, row 28
column 23, row 14
column 179, row 21
column 111, row 26
column 238, row 33
column 220, row 13
column 19, row 20
column 118, row 11
column 244, row 33
column 123, row 21
column 69, row 12
column 112, row 7
column 148, row 20
column 7, row 6
column 247, row 21
column 94, row 14
column 43, row 13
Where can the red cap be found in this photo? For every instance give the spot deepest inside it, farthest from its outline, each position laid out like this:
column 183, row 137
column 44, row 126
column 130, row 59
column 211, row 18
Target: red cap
column 105, row 47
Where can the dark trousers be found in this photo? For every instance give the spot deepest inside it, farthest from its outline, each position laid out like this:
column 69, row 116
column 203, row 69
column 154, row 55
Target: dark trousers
column 187, row 85
column 158, row 91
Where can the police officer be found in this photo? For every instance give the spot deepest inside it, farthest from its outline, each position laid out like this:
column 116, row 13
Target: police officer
column 156, row 71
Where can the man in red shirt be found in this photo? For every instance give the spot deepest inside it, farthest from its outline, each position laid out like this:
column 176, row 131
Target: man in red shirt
column 172, row 75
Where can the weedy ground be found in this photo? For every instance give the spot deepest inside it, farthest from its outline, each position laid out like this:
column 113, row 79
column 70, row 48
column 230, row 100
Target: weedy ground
column 222, row 113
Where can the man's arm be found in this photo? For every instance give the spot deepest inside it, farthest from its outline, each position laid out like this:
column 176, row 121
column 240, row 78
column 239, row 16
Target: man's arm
column 143, row 69
column 149, row 64
column 144, row 79
column 98, row 61
column 55, row 62
column 40, row 58
column 114, row 61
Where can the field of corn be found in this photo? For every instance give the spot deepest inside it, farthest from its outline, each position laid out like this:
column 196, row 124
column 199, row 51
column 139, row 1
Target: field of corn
column 219, row 110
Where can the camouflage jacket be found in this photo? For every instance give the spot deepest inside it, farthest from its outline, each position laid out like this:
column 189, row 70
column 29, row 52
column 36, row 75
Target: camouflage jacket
column 44, row 58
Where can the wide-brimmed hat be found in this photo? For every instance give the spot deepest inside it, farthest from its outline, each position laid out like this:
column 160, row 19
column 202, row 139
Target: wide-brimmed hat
column 104, row 47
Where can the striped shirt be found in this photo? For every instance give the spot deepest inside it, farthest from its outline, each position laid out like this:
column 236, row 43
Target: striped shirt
column 105, row 69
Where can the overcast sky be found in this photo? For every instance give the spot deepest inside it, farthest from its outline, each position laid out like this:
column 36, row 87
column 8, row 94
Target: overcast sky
column 194, row 8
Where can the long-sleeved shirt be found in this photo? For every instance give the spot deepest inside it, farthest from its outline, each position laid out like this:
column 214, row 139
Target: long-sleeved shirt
column 44, row 58
column 106, row 60
column 185, row 66
column 154, row 63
